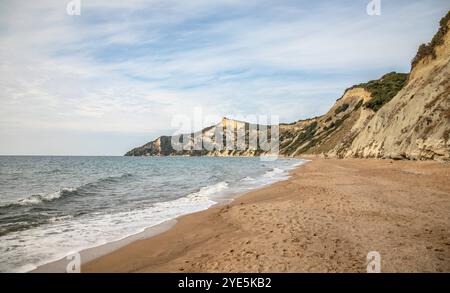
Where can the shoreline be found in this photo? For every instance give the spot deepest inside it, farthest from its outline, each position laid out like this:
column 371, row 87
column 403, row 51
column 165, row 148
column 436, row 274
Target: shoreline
column 325, row 218
column 92, row 253
column 88, row 254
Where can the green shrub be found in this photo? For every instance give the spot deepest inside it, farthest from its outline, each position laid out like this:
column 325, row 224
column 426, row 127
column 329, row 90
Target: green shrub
column 359, row 105
column 341, row 108
column 430, row 48
column 384, row 89
column 307, row 134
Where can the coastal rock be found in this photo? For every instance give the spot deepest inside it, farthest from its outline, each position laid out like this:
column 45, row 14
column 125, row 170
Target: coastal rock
column 204, row 142
column 399, row 116
column 415, row 124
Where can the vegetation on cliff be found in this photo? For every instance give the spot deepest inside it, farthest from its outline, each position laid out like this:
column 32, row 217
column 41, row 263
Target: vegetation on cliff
column 429, row 49
column 384, row 89
column 410, row 126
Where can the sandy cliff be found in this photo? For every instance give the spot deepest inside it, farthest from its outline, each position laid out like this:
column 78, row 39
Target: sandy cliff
column 399, row 116
column 204, row 142
column 415, row 124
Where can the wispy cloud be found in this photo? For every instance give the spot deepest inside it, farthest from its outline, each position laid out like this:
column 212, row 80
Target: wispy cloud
column 129, row 66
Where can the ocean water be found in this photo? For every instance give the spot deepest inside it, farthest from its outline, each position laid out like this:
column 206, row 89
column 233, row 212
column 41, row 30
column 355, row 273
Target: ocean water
column 53, row 206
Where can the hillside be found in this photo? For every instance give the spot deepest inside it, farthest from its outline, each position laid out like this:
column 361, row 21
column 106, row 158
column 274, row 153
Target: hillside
column 334, row 132
column 399, row 116
column 415, row 124
column 188, row 145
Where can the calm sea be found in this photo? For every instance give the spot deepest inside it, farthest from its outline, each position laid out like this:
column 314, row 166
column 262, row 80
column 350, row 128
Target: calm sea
column 52, row 206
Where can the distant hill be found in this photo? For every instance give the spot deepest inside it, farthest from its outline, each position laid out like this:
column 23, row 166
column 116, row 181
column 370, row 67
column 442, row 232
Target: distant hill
column 399, row 116
column 166, row 145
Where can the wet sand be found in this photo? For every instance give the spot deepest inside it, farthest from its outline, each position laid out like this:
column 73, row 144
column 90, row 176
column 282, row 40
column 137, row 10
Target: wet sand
column 325, row 218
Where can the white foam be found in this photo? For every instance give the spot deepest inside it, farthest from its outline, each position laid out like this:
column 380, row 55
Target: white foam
column 274, row 173
column 47, row 243
column 40, row 198
column 207, row 191
column 76, row 234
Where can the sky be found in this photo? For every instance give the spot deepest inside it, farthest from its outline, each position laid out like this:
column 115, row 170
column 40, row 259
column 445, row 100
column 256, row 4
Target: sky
column 114, row 77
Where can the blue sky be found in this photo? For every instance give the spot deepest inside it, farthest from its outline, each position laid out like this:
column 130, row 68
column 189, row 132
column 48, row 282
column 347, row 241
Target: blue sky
column 114, row 77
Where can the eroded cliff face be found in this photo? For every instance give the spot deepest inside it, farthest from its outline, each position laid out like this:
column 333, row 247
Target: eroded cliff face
column 221, row 140
column 398, row 116
column 415, row 124
column 330, row 133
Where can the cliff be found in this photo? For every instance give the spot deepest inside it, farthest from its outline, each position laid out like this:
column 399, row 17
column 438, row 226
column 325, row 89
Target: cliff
column 415, row 124
column 399, row 116
column 204, row 142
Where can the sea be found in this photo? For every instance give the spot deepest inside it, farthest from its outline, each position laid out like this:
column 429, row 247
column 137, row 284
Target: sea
column 52, row 206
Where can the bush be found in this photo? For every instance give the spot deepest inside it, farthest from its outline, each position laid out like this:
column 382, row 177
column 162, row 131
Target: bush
column 430, row 48
column 341, row 108
column 359, row 105
column 307, row 134
column 384, row 89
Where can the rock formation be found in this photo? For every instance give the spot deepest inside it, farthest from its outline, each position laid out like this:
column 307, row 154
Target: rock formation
column 399, row 116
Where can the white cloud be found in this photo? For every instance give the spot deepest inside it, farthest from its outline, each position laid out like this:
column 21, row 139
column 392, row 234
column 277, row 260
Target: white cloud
column 128, row 68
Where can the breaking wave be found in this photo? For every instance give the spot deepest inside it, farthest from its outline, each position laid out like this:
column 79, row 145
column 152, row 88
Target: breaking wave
column 36, row 199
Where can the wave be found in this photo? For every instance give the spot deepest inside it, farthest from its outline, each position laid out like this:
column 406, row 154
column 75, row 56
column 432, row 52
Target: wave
column 207, row 191
column 113, row 178
column 41, row 198
column 37, row 199
column 44, row 243
column 60, row 218
column 274, row 172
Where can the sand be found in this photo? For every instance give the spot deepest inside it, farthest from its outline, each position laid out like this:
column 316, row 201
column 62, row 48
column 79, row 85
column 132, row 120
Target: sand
column 325, row 218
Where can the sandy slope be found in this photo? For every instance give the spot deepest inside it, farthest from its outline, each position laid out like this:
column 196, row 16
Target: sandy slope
column 326, row 218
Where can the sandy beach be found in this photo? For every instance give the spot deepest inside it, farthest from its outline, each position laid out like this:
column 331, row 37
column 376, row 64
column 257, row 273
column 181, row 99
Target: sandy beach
column 325, row 218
